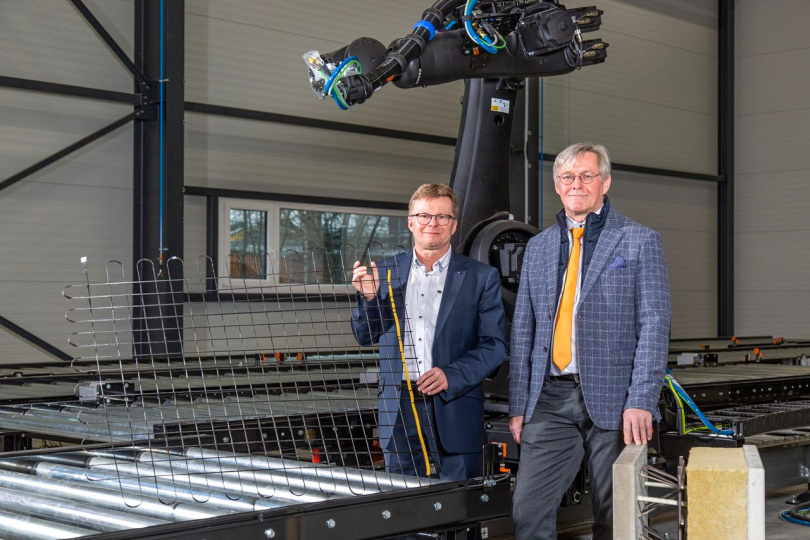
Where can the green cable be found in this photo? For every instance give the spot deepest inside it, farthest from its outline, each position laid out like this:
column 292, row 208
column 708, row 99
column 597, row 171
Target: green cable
column 684, row 430
column 340, row 76
column 340, row 97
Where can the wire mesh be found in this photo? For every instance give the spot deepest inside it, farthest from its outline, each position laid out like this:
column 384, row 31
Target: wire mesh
column 209, row 394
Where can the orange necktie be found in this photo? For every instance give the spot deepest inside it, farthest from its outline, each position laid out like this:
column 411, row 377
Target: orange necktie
column 561, row 354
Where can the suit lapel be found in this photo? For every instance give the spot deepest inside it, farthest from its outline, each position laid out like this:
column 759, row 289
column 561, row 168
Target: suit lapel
column 608, row 240
column 551, row 259
column 456, row 273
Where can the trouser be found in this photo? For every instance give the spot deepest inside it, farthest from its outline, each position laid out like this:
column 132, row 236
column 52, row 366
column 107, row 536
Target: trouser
column 553, row 443
column 404, row 454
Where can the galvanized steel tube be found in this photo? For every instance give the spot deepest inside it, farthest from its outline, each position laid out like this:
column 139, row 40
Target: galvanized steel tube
column 22, row 527
column 289, row 478
column 68, row 428
column 213, row 480
column 163, row 490
column 383, row 481
column 73, row 513
column 107, row 498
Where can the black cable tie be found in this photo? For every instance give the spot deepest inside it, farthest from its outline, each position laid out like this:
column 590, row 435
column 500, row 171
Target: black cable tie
column 466, row 18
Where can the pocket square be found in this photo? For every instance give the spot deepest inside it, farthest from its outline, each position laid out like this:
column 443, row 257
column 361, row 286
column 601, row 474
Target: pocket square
column 617, row 263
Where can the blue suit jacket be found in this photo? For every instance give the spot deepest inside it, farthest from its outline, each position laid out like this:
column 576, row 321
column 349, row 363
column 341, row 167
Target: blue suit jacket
column 469, row 343
column 622, row 322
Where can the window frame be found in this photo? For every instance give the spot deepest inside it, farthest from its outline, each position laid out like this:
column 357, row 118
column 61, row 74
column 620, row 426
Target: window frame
column 273, row 209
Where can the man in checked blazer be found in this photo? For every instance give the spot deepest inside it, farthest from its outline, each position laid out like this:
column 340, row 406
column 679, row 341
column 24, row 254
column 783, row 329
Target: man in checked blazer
column 590, row 337
column 452, row 324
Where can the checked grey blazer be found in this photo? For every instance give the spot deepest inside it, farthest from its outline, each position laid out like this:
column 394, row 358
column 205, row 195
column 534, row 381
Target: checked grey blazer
column 622, row 322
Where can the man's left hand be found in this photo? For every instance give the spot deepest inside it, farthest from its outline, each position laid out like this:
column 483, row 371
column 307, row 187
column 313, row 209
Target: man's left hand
column 433, row 382
column 638, row 426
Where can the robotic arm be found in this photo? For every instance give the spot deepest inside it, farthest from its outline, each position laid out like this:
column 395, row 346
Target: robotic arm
column 493, row 45
column 463, row 39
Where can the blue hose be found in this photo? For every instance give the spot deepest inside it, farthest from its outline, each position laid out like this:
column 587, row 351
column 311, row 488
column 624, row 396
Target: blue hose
column 471, row 33
column 331, row 80
column 785, row 516
column 692, row 405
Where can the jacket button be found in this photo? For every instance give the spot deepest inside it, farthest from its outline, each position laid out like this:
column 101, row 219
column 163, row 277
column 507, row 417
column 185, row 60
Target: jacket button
column 549, row 316
column 545, row 349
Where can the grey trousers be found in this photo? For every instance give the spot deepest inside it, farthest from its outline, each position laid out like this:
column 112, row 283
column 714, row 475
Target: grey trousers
column 553, row 443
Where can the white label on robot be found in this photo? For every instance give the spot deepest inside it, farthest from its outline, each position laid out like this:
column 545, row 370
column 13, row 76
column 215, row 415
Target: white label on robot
column 500, row 105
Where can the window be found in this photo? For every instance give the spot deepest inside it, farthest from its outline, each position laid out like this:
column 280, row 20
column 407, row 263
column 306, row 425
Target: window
column 272, row 243
column 248, row 242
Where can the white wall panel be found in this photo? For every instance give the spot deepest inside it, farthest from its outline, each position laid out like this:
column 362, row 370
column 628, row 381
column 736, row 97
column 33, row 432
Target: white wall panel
column 773, row 142
column 194, row 228
column 78, row 206
column 259, row 156
column 50, row 41
column 772, row 130
column 244, row 53
column 764, row 28
column 653, row 102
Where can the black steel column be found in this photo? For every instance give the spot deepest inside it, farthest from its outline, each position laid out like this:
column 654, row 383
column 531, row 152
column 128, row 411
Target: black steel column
column 517, row 159
column 725, row 169
column 480, row 174
column 533, row 153
column 158, row 182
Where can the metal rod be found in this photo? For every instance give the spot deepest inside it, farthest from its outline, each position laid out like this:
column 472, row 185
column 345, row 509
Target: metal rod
column 69, row 90
column 22, row 527
column 34, row 340
column 107, row 498
column 162, row 489
column 73, row 513
column 44, row 425
column 213, row 480
column 289, row 478
column 383, row 480
column 250, row 114
column 289, row 472
column 111, row 43
column 67, row 150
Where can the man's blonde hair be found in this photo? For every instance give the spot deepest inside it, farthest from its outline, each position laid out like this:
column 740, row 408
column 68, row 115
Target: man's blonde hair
column 434, row 191
column 574, row 152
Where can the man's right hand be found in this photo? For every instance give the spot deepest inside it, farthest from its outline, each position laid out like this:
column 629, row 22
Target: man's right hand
column 366, row 284
column 516, row 427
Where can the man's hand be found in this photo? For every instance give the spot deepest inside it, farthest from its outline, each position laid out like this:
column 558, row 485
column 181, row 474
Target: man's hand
column 366, row 284
column 516, row 427
column 638, row 426
column 432, row 382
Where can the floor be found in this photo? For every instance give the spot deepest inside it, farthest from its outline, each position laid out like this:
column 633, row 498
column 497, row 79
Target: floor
column 775, row 528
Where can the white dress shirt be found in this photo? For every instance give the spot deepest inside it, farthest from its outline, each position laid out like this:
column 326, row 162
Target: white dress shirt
column 572, row 367
column 423, row 297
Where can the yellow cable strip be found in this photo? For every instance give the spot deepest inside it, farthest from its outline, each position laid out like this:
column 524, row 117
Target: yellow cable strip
column 407, row 375
column 682, row 407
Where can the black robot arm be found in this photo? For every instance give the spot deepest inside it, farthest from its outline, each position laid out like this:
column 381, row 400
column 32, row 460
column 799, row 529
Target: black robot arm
column 463, row 39
column 493, row 46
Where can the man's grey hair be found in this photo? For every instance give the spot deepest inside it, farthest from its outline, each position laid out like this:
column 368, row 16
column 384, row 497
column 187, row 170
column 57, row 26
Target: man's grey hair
column 567, row 157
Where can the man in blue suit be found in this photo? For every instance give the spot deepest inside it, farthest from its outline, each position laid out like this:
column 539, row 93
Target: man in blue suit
column 589, row 345
column 451, row 319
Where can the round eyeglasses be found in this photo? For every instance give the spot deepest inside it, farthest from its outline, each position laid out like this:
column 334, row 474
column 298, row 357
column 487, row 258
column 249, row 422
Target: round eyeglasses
column 425, row 219
column 586, row 178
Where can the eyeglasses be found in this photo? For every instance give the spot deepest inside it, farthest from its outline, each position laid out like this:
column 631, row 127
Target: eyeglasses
column 424, row 219
column 586, row 178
